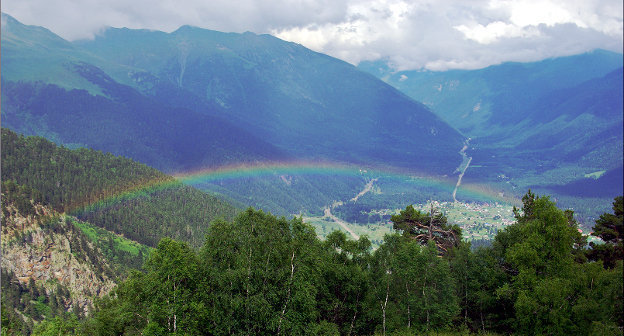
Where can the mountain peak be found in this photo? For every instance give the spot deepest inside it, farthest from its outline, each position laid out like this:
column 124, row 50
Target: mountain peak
column 12, row 29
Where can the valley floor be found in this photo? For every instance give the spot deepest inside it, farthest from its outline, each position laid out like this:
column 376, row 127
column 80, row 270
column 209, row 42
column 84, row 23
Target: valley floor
column 478, row 220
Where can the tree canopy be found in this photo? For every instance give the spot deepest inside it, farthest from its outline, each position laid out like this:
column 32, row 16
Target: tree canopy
column 425, row 228
column 610, row 229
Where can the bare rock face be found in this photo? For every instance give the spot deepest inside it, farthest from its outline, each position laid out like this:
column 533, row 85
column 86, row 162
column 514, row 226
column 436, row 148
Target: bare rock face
column 49, row 249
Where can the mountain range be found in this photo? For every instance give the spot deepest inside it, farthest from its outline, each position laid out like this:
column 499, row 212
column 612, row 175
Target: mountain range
column 201, row 98
column 197, row 99
column 546, row 125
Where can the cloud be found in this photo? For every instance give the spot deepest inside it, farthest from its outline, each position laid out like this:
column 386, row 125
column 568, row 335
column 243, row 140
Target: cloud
column 440, row 35
column 80, row 19
column 412, row 34
column 495, row 31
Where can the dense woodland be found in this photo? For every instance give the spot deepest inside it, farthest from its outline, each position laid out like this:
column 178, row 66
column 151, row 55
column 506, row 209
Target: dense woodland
column 263, row 275
column 257, row 274
column 112, row 192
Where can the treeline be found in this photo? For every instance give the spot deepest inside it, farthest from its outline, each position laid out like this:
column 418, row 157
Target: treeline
column 262, row 275
column 112, row 192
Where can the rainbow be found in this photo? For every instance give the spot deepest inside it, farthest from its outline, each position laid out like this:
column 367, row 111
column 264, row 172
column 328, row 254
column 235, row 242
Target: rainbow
column 324, row 168
column 144, row 189
column 264, row 169
column 292, row 168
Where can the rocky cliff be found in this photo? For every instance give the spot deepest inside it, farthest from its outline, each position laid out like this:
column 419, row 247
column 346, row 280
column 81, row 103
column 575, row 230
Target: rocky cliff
column 44, row 247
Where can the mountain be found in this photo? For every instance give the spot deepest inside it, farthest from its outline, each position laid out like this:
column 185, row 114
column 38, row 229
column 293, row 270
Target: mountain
column 278, row 100
column 548, row 125
column 481, row 102
column 197, row 99
column 305, row 103
column 50, row 89
column 113, row 193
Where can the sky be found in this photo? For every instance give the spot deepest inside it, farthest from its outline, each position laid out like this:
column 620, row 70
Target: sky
column 409, row 35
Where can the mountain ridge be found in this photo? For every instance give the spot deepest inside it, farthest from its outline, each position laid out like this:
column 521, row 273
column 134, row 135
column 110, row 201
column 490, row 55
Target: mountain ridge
column 196, row 99
column 547, row 123
column 265, row 84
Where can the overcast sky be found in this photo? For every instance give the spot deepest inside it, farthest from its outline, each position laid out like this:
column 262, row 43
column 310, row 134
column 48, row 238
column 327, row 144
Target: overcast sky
column 431, row 34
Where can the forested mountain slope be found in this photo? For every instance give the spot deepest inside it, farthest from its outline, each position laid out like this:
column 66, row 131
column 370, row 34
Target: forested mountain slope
column 49, row 266
column 112, row 192
column 553, row 125
column 195, row 98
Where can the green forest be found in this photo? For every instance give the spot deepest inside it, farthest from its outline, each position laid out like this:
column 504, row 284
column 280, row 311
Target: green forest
column 111, row 192
column 262, row 275
column 214, row 272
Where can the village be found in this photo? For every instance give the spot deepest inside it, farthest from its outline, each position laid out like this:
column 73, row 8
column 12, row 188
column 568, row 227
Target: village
column 479, row 221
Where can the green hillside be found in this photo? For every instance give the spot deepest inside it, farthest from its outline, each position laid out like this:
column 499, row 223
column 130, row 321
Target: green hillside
column 259, row 275
column 541, row 125
column 114, row 193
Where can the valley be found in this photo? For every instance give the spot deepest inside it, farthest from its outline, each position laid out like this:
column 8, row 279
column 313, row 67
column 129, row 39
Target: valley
column 198, row 182
column 479, row 221
column 538, row 125
column 211, row 100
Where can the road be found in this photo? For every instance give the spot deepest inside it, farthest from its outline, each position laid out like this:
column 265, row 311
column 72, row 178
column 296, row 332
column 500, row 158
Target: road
column 366, row 189
column 327, row 211
column 340, row 222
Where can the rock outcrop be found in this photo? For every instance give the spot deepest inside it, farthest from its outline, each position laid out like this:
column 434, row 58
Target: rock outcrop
column 49, row 249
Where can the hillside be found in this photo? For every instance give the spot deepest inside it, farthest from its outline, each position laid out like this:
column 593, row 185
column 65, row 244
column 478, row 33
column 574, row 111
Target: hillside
column 114, row 193
column 49, row 266
column 129, row 124
column 479, row 102
column 544, row 125
column 213, row 98
column 66, row 219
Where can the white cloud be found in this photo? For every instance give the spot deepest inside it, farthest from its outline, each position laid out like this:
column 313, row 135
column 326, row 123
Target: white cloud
column 412, row 34
column 495, row 31
column 470, row 34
